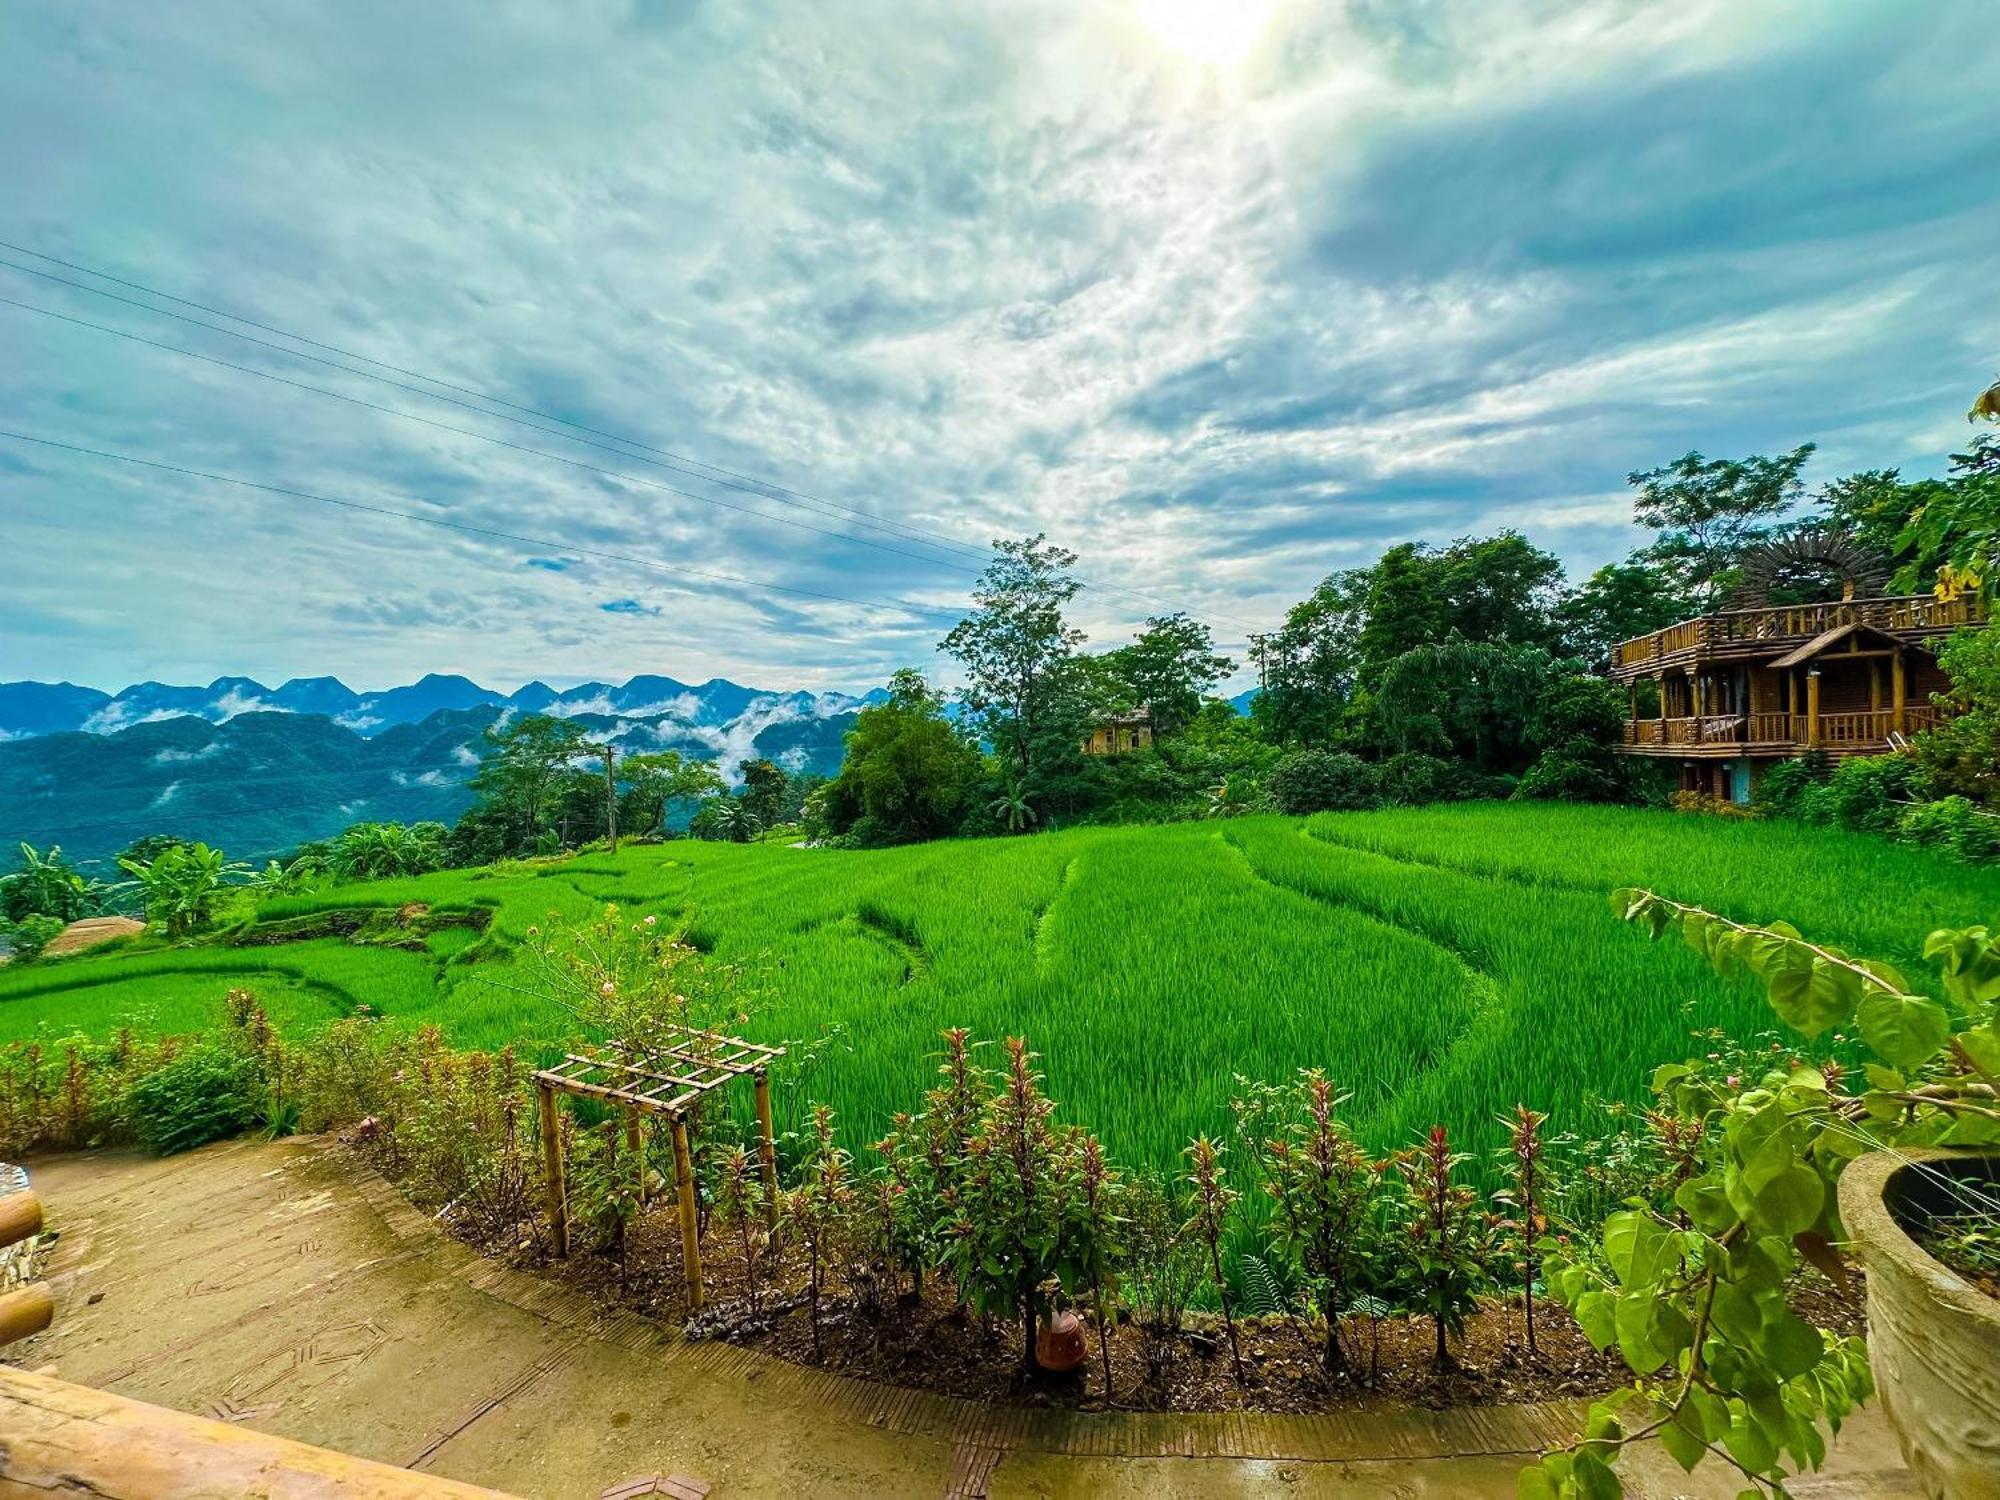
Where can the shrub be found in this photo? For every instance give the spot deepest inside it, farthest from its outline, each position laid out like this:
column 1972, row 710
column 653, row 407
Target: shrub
column 1572, row 776
column 29, row 936
column 1310, row 781
column 1413, row 778
column 205, row 1092
column 1869, row 794
column 1710, row 805
column 1794, row 788
column 1952, row 825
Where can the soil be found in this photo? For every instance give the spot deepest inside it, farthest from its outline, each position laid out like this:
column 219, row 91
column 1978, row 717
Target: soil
column 932, row 1344
column 89, row 932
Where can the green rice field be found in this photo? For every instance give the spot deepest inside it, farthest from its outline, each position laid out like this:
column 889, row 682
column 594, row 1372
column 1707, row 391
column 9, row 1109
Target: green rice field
column 1442, row 963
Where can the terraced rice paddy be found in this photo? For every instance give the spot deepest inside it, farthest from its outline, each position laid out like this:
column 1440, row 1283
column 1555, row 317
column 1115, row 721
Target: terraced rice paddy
column 1442, row 963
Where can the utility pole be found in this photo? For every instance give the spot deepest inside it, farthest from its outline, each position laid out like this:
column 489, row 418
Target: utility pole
column 610, row 799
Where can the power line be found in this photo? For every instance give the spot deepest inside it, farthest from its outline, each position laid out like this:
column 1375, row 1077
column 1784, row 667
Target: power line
column 681, row 461
column 544, row 544
column 678, row 462
column 410, row 416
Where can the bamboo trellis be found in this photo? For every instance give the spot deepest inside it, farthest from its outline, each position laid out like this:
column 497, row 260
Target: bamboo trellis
column 669, row 1080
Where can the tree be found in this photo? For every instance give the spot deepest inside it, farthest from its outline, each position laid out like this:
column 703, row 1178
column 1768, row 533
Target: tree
column 1309, row 664
column 526, row 762
column 1616, row 603
column 1499, row 588
column 728, row 819
column 47, row 885
column 1019, row 655
column 1404, row 610
column 184, row 886
column 1168, row 668
column 909, row 773
column 654, row 780
column 764, row 789
column 381, row 851
column 1467, row 699
column 1709, row 512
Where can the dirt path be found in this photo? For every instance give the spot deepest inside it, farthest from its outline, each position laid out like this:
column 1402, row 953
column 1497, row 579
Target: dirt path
column 278, row 1285
column 89, row 932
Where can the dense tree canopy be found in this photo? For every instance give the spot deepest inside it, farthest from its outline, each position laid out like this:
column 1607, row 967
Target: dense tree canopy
column 909, row 773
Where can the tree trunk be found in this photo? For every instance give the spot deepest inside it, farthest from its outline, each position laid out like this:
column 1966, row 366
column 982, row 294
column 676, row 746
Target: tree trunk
column 1028, row 1359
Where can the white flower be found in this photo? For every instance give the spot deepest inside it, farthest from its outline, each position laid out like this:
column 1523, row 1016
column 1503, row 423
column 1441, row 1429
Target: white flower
column 605, row 988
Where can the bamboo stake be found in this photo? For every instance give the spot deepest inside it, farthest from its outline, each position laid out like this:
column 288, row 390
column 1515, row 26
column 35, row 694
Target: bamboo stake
column 20, row 1216
column 767, row 1149
column 633, row 1144
column 690, row 1222
column 552, row 1164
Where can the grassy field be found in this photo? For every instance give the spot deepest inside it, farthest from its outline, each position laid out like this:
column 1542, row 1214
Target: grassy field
column 1442, row 963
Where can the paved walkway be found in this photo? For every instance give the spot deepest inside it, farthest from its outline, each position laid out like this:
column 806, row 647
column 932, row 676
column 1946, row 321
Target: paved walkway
column 278, row 1285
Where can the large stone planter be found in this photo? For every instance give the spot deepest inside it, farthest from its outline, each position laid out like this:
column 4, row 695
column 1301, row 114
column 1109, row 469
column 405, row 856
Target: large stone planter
column 1933, row 1337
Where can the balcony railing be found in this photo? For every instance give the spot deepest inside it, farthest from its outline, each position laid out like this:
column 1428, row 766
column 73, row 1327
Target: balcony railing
column 1842, row 731
column 1788, row 622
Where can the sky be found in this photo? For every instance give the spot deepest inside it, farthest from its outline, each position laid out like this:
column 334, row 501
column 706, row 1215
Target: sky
column 1222, row 296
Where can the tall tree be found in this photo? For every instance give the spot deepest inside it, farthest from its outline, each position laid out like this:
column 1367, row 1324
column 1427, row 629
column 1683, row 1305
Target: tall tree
column 1709, row 511
column 909, row 773
column 656, row 779
column 527, row 762
column 1168, row 667
column 1616, row 603
column 764, row 788
column 1308, row 665
column 1019, row 654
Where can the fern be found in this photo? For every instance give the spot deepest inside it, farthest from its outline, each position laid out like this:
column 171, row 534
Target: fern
column 1263, row 1297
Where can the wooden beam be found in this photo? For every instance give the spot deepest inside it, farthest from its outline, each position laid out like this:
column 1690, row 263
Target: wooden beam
column 552, row 1168
column 690, row 1214
column 25, row 1312
column 65, row 1440
column 20, row 1216
column 767, row 1149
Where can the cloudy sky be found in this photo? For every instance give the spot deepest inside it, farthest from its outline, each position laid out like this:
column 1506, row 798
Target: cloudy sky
column 1222, row 295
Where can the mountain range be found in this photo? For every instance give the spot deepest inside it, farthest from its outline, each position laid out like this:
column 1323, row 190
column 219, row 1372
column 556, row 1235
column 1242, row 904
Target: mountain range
column 259, row 770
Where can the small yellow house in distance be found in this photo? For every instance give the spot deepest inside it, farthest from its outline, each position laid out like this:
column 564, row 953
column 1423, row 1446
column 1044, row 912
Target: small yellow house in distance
column 1120, row 733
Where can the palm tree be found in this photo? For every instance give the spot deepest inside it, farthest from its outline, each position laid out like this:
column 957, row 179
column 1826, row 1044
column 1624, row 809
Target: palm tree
column 1012, row 808
column 735, row 822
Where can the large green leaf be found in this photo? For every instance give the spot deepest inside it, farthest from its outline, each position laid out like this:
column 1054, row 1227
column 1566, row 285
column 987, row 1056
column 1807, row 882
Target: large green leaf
column 1903, row 1029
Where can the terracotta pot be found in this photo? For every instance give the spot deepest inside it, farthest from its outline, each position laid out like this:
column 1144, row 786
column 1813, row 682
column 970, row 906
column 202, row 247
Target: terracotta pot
column 1933, row 1337
column 1060, row 1346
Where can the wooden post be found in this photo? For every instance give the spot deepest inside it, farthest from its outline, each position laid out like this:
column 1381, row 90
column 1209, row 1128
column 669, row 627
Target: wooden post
column 610, row 800
column 1812, row 708
column 552, row 1166
column 1898, row 693
column 634, row 1144
column 767, row 1148
column 25, row 1312
column 20, row 1216
column 690, row 1222
column 1875, row 687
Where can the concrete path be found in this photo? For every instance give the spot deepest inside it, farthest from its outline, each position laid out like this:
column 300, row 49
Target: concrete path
column 281, row 1286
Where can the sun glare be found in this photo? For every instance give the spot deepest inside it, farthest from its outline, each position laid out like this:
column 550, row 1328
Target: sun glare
column 1218, row 32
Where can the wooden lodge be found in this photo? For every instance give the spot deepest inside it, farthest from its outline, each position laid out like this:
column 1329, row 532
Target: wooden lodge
column 1741, row 689
column 1118, row 734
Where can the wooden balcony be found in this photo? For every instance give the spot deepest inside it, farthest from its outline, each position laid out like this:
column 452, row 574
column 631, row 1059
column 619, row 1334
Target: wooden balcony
column 1747, row 634
column 1725, row 736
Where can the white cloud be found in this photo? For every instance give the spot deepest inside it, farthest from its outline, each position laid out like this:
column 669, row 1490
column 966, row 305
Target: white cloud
column 170, row 757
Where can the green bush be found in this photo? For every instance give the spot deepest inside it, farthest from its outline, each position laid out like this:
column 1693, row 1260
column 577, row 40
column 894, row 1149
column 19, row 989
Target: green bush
column 206, row 1092
column 1569, row 775
column 29, row 936
column 1794, row 788
column 1310, row 781
column 1952, row 825
column 1869, row 794
column 1413, row 779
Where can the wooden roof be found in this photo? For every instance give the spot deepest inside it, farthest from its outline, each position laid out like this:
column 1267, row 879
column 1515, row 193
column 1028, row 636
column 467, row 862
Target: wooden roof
column 1826, row 638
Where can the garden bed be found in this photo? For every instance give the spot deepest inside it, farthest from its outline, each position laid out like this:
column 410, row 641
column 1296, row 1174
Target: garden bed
column 933, row 1345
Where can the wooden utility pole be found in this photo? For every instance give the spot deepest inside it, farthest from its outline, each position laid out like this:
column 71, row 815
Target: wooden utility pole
column 610, row 799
